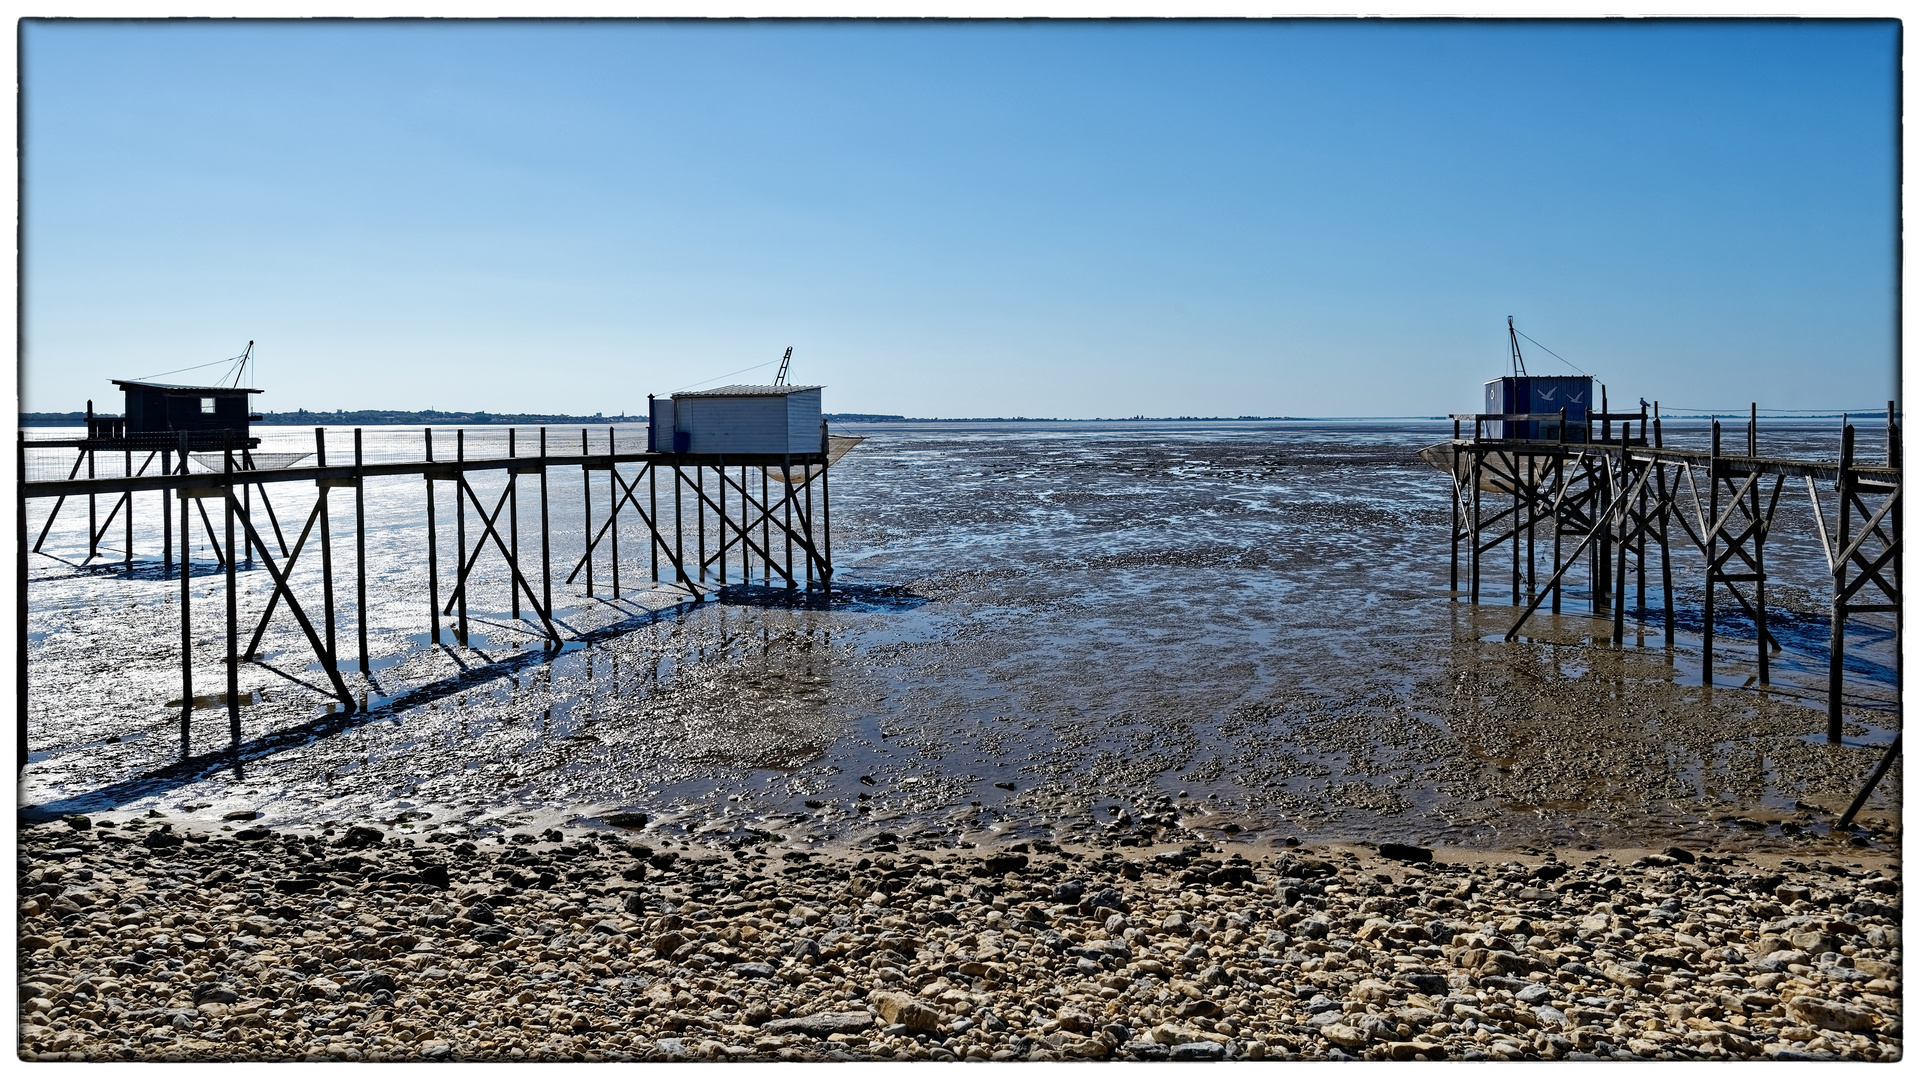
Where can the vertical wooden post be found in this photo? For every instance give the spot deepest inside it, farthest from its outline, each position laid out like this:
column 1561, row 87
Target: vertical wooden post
column 1603, row 544
column 1899, row 555
column 679, row 534
column 786, row 501
column 461, row 632
column 613, row 514
column 186, row 620
column 1514, row 458
column 360, row 546
column 128, row 523
column 513, row 520
column 586, row 506
column 826, row 529
column 233, row 601
column 1712, row 538
column 720, row 521
column 1473, row 524
column 20, row 696
column 93, row 512
column 326, row 541
column 1759, row 549
column 766, row 530
column 546, row 558
column 166, row 516
column 700, row 521
column 1559, row 481
column 815, row 545
column 653, row 520
column 1620, row 512
column 1453, row 563
column 1533, row 519
column 1640, row 553
column 1666, row 554
column 1837, row 631
column 433, row 547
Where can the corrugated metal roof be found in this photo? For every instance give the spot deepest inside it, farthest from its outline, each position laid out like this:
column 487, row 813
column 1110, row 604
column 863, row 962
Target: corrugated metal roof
column 747, row 390
column 196, row 389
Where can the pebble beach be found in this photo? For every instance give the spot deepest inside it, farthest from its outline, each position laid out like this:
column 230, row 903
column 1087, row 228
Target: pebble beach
column 149, row 939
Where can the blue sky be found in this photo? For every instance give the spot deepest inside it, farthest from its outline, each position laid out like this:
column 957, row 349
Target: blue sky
column 963, row 219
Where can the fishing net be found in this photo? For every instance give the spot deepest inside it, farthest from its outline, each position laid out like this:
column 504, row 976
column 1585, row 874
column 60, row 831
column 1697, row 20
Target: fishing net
column 837, row 447
column 243, row 463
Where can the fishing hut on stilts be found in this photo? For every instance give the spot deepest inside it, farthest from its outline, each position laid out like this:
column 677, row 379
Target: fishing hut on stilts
column 1574, row 493
column 730, row 484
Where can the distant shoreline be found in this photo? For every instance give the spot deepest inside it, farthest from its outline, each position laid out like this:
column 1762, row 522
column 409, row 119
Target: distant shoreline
column 431, row 418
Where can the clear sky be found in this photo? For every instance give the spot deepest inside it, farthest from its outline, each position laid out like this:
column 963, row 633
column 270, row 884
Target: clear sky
column 963, row 219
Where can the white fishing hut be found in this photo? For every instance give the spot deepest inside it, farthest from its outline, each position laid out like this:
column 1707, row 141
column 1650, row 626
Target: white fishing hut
column 741, row 419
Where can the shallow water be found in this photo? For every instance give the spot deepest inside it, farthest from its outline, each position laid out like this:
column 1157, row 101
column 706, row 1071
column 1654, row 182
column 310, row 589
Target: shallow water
column 1041, row 629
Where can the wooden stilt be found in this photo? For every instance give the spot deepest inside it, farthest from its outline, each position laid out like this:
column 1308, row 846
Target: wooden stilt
column 360, row 547
column 1837, row 629
column 513, row 516
column 586, row 509
column 613, row 513
column 433, row 548
column 326, row 541
column 128, row 522
column 166, row 517
column 233, row 603
column 546, row 555
column 186, row 620
column 1711, row 545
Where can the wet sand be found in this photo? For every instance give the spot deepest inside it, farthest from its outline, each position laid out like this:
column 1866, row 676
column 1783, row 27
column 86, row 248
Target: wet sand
column 1032, row 628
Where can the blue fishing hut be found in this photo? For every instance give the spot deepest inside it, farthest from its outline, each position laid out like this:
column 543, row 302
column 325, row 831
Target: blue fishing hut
column 1541, row 394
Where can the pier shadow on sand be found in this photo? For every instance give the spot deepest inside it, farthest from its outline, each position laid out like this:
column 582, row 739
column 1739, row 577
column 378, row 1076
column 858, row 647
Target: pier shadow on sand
column 198, row 767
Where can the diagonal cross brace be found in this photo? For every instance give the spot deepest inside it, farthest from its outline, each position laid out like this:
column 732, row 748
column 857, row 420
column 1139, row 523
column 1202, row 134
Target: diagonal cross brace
column 274, row 600
column 805, row 540
column 469, row 559
column 766, row 515
column 327, row 660
column 1573, row 557
column 631, row 498
column 513, row 566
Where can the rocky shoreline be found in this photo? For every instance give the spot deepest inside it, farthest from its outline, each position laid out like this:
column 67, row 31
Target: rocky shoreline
column 149, row 939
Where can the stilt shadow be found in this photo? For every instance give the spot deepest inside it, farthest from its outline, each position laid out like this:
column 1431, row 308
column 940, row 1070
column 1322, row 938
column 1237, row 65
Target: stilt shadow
column 204, row 766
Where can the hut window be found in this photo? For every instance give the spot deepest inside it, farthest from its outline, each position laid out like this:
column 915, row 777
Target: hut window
column 206, row 405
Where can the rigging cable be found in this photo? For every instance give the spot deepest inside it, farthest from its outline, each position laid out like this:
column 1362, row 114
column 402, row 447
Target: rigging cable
column 728, row 375
column 1555, row 355
column 195, row 367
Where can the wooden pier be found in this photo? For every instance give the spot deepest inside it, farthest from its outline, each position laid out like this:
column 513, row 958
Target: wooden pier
column 1616, row 499
column 746, row 514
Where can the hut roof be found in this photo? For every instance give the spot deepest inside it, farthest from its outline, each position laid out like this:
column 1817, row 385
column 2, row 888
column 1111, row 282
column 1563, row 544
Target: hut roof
column 747, row 390
column 181, row 388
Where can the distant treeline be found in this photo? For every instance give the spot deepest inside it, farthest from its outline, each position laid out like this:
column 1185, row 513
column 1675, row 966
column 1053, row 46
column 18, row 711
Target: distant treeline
column 878, row 418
